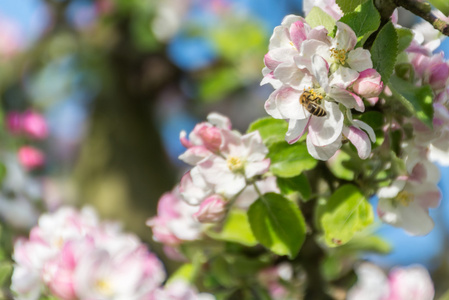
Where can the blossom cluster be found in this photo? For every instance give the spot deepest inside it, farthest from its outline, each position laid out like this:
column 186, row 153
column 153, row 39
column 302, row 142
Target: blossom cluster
column 411, row 283
column 73, row 255
column 405, row 203
column 31, row 125
column 318, row 80
column 227, row 168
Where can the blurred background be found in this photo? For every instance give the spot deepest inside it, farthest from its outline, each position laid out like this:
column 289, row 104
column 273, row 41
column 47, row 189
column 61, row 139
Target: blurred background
column 116, row 81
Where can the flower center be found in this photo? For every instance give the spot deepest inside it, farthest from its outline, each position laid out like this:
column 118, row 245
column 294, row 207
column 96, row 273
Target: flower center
column 235, row 164
column 339, row 55
column 315, row 95
column 404, row 198
column 103, row 286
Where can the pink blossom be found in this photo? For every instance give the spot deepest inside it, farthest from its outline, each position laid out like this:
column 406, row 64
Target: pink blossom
column 34, row 125
column 402, row 283
column 74, row 256
column 241, row 158
column 31, row 157
column 286, row 44
column 405, row 204
column 369, row 84
column 174, row 223
column 212, row 210
column 29, row 123
column 205, row 139
column 328, row 6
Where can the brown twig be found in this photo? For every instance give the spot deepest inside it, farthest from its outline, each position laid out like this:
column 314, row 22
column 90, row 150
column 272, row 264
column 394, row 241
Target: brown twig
column 424, row 10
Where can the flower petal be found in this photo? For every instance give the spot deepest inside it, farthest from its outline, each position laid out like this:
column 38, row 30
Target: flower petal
column 345, row 97
column 343, row 77
column 323, row 152
column 367, row 128
column 296, row 129
column 359, row 59
column 345, row 37
column 359, row 139
column 325, row 130
column 287, row 103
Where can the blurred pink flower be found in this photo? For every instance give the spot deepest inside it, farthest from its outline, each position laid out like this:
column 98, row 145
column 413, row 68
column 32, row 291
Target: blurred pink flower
column 74, row 256
column 34, row 125
column 174, row 222
column 403, row 283
column 30, row 157
column 30, row 123
column 212, row 210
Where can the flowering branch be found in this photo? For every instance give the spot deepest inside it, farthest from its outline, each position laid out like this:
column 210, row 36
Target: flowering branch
column 424, row 10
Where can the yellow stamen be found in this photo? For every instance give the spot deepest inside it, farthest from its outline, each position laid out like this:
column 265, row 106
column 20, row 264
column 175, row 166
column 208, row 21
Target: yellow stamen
column 339, row 55
column 405, row 198
column 103, row 286
column 235, row 164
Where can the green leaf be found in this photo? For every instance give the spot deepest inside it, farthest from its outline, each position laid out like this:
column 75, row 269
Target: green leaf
column 346, row 213
column 348, row 6
column 290, row 160
column 384, row 51
column 5, row 272
column 217, row 83
column 278, row 224
column 405, row 37
column 317, row 17
column 364, row 20
column 271, row 130
column 441, row 5
column 331, row 268
column 295, row 184
column 186, row 272
column 417, row 100
column 370, row 243
column 337, row 166
column 374, row 119
column 235, row 229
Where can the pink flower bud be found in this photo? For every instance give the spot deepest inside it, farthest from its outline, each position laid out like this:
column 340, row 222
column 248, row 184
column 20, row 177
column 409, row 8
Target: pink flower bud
column 211, row 136
column 34, row 125
column 14, row 122
column 369, row 84
column 212, row 210
column 31, row 157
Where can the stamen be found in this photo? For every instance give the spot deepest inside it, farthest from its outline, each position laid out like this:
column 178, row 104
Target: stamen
column 235, row 164
column 339, row 55
column 405, row 198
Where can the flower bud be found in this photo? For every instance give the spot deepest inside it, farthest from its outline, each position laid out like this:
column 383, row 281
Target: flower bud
column 31, row 157
column 369, row 84
column 212, row 210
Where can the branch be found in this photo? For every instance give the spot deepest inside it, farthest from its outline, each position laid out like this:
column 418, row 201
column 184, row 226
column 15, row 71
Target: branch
column 424, row 10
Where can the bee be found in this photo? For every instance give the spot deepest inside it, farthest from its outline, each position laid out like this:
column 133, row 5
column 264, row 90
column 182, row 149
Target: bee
column 309, row 100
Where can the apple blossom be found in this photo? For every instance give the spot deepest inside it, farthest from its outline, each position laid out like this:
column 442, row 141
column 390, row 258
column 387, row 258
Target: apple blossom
column 328, row 6
column 30, row 157
column 212, row 210
column 75, row 256
column 241, row 158
column 405, row 204
column 285, row 44
column 205, row 139
column 174, row 223
column 402, row 283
